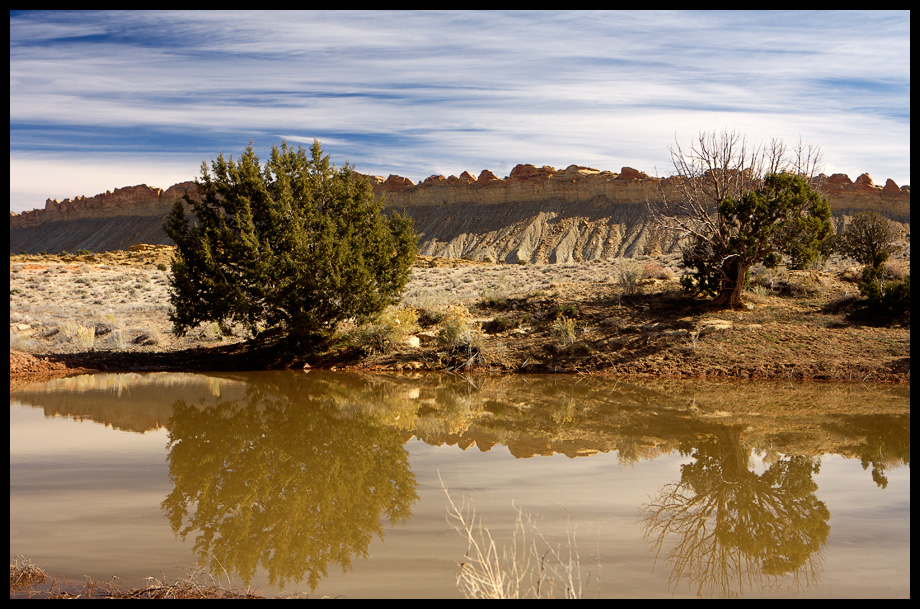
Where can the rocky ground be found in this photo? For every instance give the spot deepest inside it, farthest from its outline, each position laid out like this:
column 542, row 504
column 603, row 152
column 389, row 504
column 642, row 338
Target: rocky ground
column 624, row 316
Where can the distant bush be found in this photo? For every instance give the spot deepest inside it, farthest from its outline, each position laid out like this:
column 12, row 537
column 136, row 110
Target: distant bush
column 653, row 270
column 896, row 270
column 499, row 323
column 763, row 277
column 629, row 277
column 869, row 238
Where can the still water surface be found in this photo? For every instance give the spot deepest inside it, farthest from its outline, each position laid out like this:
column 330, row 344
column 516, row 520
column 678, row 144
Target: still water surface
column 334, row 484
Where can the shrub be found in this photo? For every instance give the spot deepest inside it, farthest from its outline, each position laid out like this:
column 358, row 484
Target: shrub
column 86, row 337
column 653, row 270
column 69, row 328
column 885, row 300
column 458, row 332
column 566, row 311
column 869, row 238
column 390, row 329
column 498, row 324
column 896, row 270
column 564, row 331
column 21, row 341
column 120, row 340
column 629, row 277
column 763, row 277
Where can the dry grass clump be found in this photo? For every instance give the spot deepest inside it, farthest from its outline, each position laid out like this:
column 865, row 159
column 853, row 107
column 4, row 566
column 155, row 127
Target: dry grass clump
column 457, row 331
column 629, row 277
column 22, row 339
column 565, row 331
column 25, row 574
column 897, row 269
column 86, row 338
column 389, row 330
column 804, row 284
column 530, row 567
column 763, row 278
column 654, row 270
column 196, row 586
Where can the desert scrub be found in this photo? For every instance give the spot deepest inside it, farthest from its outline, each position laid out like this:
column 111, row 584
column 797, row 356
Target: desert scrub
column 654, row 270
column 500, row 323
column 803, row 284
column 69, row 328
column 24, row 573
column 565, row 331
column 391, row 328
column 428, row 304
column 86, row 338
column 496, row 295
column 629, row 277
column 20, row 340
column 458, row 332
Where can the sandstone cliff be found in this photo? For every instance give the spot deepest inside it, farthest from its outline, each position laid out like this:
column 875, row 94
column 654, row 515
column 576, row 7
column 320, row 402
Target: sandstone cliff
column 536, row 214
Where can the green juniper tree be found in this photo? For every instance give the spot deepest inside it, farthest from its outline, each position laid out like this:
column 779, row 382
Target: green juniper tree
column 734, row 205
column 785, row 216
column 286, row 250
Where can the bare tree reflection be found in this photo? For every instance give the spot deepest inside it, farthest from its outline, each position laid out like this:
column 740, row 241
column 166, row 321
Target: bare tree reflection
column 735, row 531
column 285, row 482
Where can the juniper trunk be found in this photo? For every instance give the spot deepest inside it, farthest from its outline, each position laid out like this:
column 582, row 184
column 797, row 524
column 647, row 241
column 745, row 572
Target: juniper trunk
column 734, row 273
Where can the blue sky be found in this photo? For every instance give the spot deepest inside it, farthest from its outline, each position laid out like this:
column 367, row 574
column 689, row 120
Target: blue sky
column 100, row 100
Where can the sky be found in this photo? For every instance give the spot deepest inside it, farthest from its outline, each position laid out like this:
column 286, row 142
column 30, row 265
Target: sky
column 101, row 100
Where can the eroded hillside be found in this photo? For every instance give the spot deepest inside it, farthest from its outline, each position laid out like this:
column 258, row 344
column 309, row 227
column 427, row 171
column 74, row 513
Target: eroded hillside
column 536, row 214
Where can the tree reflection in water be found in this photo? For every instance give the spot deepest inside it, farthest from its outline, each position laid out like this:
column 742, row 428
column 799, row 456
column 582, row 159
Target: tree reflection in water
column 285, row 481
column 734, row 530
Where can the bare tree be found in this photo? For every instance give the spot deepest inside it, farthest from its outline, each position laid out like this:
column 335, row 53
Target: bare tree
column 716, row 168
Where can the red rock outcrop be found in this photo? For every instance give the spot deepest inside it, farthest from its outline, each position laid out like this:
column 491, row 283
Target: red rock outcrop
column 529, row 183
column 139, row 200
column 863, row 194
column 536, row 213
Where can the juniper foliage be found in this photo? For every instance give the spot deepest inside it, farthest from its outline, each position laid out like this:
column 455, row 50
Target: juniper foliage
column 285, row 250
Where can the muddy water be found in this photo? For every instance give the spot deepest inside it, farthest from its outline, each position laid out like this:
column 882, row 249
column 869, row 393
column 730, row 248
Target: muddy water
column 334, row 484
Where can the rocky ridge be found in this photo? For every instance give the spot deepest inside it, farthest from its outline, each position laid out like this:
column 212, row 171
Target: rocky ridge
column 536, row 214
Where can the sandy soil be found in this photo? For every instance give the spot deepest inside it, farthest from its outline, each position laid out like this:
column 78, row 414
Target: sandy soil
column 623, row 317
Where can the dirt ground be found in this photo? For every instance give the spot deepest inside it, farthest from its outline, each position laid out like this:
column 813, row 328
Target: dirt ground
column 623, row 317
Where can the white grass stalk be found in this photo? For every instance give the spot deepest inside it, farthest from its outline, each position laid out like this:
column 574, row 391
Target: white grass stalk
column 488, row 572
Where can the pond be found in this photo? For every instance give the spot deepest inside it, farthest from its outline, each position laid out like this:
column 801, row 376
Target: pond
column 340, row 484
